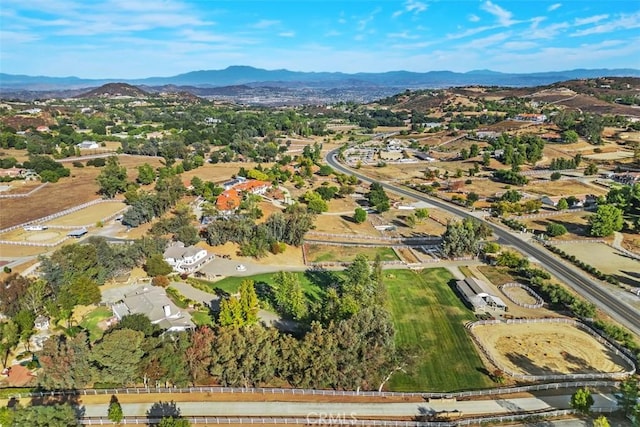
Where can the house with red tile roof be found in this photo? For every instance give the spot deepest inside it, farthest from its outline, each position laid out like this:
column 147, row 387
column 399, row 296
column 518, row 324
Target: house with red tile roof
column 229, row 200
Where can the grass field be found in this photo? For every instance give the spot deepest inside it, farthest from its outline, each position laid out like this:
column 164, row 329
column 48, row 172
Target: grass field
column 429, row 320
column 231, row 285
column 91, row 320
column 325, row 253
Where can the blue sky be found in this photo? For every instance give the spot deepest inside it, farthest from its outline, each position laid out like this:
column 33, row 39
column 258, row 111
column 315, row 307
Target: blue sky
column 143, row 38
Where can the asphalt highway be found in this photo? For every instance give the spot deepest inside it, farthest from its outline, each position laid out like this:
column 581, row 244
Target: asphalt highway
column 585, row 286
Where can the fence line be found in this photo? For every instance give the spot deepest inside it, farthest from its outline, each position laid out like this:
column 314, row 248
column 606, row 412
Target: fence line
column 539, row 301
column 27, row 194
column 348, row 420
column 322, row 392
column 548, row 214
column 598, row 336
column 363, row 237
column 61, row 213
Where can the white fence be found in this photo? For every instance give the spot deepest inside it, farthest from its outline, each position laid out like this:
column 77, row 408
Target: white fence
column 539, row 301
column 320, row 392
column 14, row 196
column 381, row 238
column 346, row 420
column 62, row 213
column 610, row 344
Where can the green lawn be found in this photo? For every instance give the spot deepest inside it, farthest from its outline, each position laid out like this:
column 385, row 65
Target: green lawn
column 201, row 318
column 231, row 285
column 90, row 322
column 429, row 320
column 325, row 253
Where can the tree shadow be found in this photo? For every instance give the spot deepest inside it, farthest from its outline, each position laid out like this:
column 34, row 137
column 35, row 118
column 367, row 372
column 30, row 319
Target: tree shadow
column 72, row 399
column 322, row 277
column 221, row 293
column 264, row 291
column 529, row 366
column 160, row 410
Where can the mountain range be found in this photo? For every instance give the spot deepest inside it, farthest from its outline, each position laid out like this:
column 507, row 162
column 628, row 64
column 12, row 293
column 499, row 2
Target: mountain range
column 245, row 75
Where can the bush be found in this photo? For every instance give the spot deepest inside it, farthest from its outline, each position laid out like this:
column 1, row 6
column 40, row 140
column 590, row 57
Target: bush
column 161, row 281
column 77, row 164
column 555, row 230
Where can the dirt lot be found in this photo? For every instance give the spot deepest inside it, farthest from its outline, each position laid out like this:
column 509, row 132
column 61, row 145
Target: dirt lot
column 520, row 295
column 80, row 187
column 564, row 187
column 552, row 348
column 89, row 215
column 607, row 260
column 576, row 224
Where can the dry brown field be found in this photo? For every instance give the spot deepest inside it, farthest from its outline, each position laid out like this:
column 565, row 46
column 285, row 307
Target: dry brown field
column 80, row 187
column 576, row 224
column 520, row 295
column 564, row 187
column 547, row 349
column 607, row 260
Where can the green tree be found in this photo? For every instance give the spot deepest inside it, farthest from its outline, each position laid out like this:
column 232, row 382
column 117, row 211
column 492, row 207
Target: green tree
column 230, row 312
column 556, row 176
column 411, row 220
column 65, row 363
column 315, row 202
column 554, row 229
column 249, row 302
column 562, row 204
column 582, row 400
column 62, row 415
column 114, row 412
column 570, row 136
column 113, row 178
column 592, row 169
column 85, row 291
column 378, row 198
column 289, row 295
column 601, row 421
column 422, row 213
column 117, row 356
column 629, row 394
column 157, row 266
column 360, row 215
column 146, row 174
column 472, row 198
column 174, row 422
column 605, row 221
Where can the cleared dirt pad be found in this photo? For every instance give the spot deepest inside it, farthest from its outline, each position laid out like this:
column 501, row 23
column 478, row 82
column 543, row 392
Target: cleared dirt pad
column 520, row 295
column 547, row 349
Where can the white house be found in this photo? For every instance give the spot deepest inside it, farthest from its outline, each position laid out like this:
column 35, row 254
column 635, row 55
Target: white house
column 88, row 145
column 185, row 259
column 153, row 302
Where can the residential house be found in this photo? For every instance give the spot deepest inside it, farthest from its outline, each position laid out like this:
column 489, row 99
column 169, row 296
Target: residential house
column 13, row 172
column 88, row 145
column 229, row 200
column 41, row 323
column 153, row 302
column 185, row 259
column 533, row 118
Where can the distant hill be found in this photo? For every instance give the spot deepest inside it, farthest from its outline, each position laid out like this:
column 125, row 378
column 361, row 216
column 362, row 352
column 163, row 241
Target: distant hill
column 244, row 75
column 113, row 90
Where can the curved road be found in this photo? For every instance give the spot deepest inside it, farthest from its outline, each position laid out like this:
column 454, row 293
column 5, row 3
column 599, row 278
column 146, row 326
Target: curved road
column 585, row 286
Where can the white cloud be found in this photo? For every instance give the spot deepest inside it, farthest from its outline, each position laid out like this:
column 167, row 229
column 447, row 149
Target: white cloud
column 474, row 18
column 622, row 22
column 287, row 34
column 411, row 6
column 519, row 45
column 403, row 35
column 14, row 37
column 504, row 16
column 554, row 7
column 415, row 6
column 485, row 42
column 265, row 23
column 589, row 20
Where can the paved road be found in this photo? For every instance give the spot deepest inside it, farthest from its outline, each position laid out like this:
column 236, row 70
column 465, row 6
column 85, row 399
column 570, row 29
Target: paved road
column 587, row 287
column 363, row 410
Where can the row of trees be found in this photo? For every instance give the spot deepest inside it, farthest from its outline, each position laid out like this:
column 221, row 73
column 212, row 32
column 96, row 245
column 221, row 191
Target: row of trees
column 257, row 239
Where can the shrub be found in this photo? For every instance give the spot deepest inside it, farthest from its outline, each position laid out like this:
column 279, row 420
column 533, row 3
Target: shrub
column 161, row 281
